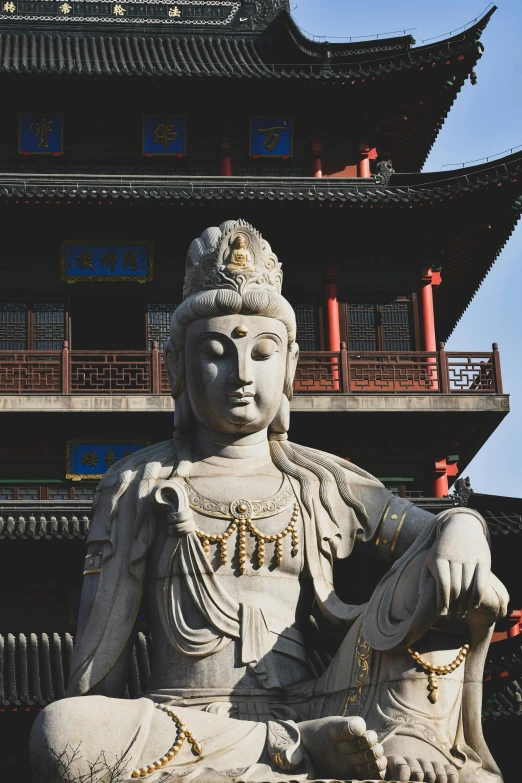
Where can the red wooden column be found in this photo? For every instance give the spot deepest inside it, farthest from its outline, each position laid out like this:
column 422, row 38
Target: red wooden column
column 332, row 315
column 225, row 162
column 443, row 470
column 317, row 154
column 366, row 154
column 516, row 628
column 429, row 279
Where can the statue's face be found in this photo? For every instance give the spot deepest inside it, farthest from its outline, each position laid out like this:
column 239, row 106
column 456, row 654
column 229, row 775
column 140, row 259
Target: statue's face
column 240, row 242
column 235, row 380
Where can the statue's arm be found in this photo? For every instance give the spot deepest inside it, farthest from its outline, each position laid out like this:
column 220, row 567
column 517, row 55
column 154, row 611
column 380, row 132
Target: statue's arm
column 401, row 522
column 114, row 682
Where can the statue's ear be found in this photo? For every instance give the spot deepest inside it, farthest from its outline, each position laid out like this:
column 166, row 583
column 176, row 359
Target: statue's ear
column 291, row 366
column 175, row 365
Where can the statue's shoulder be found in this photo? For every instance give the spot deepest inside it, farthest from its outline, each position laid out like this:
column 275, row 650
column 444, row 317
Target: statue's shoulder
column 155, row 460
column 332, row 463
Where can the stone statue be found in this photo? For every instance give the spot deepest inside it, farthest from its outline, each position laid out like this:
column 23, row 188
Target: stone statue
column 226, row 536
column 240, row 259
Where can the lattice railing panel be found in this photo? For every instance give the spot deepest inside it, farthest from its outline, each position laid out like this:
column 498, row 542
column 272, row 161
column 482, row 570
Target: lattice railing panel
column 471, row 373
column 386, row 373
column 317, row 372
column 112, row 373
column 29, row 371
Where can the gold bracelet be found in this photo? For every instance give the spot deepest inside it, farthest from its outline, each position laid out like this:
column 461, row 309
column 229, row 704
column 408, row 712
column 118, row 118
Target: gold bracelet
column 438, row 670
column 182, row 734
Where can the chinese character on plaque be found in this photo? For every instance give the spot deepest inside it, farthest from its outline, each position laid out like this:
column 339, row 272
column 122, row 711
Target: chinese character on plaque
column 91, row 459
column 84, row 261
column 164, row 134
column 40, row 134
column 271, row 137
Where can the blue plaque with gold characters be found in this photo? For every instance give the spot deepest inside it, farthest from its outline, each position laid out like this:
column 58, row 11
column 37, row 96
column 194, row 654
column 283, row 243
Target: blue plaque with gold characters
column 40, row 134
column 91, row 459
column 164, row 134
column 271, row 137
column 86, row 260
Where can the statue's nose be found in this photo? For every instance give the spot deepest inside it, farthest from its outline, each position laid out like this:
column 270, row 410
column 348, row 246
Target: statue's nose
column 241, row 375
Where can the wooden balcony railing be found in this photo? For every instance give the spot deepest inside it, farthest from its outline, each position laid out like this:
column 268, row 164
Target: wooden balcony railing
column 318, row 372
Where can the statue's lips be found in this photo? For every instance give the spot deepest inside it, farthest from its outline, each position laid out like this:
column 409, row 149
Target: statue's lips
column 243, row 398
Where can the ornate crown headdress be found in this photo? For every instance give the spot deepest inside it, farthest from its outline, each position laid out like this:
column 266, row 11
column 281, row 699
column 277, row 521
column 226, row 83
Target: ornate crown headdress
column 233, row 256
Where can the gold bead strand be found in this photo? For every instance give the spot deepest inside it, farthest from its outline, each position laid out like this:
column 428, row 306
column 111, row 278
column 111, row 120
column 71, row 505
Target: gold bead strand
column 279, row 548
column 242, row 543
column 438, row 671
column 293, row 530
column 182, row 733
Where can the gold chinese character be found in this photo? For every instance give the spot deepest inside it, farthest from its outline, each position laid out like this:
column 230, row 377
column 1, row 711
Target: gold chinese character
column 89, row 459
column 164, row 133
column 118, row 10
column 174, row 11
column 127, row 453
column 109, row 259
column 10, row 8
column 272, row 139
column 84, row 260
column 65, row 8
column 110, row 459
column 130, row 260
column 42, row 128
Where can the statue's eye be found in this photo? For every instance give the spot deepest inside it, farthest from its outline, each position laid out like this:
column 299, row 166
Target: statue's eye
column 213, row 348
column 264, row 349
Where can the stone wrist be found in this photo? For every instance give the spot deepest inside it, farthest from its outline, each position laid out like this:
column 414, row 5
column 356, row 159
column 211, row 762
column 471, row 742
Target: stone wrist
column 446, row 517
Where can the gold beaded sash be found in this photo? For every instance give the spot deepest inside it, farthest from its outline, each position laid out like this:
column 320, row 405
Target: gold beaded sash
column 241, row 513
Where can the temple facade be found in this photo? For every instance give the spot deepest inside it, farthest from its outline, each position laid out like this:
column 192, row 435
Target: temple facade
column 105, row 180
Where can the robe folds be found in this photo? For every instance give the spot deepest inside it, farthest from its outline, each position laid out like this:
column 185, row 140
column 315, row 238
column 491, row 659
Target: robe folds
column 122, row 532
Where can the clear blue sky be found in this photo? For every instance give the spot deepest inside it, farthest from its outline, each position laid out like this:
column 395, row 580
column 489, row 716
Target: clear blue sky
column 485, row 119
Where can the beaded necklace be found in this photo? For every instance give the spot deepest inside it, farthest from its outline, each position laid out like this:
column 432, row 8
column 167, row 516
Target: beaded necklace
column 241, row 513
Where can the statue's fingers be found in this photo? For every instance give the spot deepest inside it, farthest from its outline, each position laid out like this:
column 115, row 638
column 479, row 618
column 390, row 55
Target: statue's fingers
column 351, row 728
column 429, row 772
column 398, row 769
column 452, row 774
column 416, row 773
column 443, row 583
column 361, row 758
column 456, row 583
column 440, row 772
column 368, row 740
column 480, row 584
column 468, row 575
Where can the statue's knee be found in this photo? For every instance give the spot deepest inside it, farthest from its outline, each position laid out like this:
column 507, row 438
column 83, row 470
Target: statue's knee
column 73, row 738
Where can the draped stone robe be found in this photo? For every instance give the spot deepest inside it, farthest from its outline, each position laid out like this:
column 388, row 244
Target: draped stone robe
column 121, row 535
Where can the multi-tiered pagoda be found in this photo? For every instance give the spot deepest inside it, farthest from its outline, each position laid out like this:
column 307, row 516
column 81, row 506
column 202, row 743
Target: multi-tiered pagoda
column 127, row 128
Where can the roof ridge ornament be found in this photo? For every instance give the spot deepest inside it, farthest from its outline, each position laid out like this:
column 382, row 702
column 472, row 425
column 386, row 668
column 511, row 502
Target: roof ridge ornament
column 233, row 256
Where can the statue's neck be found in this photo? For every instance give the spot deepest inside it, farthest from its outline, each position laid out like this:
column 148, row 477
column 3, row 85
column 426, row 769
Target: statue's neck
column 212, row 446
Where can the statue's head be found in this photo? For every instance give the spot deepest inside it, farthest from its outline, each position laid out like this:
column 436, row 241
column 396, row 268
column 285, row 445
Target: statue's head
column 240, row 241
column 232, row 354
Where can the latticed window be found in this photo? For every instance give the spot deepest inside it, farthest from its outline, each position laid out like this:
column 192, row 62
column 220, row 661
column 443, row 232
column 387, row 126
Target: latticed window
column 48, row 326
column 38, row 326
column 13, row 326
column 380, row 326
column 306, row 317
column 158, row 322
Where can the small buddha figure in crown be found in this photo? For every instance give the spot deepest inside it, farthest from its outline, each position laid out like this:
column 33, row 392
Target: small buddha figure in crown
column 226, row 536
column 240, row 259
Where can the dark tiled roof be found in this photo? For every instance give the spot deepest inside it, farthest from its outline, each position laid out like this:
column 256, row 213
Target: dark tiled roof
column 503, row 514
column 486, row 192
column 44, row 520
column 34, row 669
column 92, row 51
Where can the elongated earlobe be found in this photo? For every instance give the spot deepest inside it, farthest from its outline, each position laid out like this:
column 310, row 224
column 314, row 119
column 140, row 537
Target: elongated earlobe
column 184, row 421
column 281, row 423
column 291, row 366
column 175, row 366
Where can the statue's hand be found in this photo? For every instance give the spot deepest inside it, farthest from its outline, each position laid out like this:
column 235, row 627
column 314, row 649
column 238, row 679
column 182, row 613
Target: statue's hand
column 460, row 564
